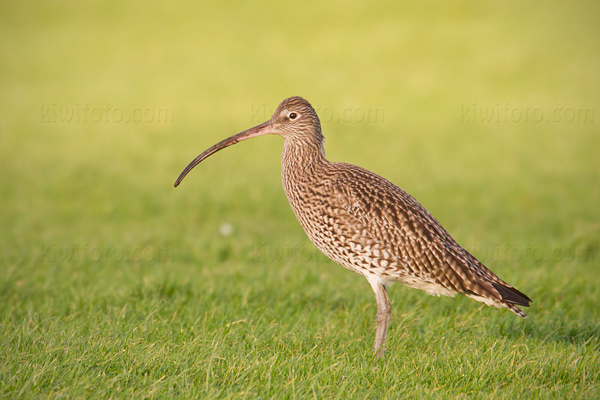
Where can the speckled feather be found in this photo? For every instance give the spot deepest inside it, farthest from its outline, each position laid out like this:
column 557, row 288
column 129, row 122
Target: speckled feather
column 372, row 227
column 367, row 224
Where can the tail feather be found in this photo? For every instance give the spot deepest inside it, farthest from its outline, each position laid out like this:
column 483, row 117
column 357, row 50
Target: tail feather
column 515, row 309
column 511, row 295
column 511, row 298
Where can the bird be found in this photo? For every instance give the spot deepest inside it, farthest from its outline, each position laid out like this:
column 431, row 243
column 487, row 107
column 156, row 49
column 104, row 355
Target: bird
column 367, row 224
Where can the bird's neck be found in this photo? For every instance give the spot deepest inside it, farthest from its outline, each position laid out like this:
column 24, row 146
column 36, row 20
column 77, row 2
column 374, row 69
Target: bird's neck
column 301, row 155
column 302, row 159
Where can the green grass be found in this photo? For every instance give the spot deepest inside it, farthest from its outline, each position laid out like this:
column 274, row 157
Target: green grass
column 114, row 284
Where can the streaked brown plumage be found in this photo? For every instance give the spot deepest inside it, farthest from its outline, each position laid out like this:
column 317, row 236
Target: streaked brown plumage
column 367, row 224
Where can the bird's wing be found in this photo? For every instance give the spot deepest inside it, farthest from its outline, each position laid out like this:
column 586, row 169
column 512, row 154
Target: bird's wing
column 419, row 246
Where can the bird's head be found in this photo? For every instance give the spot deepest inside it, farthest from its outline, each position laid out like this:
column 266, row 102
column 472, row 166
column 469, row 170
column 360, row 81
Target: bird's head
column 296, row 118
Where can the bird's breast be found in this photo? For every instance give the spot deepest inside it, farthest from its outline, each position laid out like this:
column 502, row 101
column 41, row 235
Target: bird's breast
column 317, row 205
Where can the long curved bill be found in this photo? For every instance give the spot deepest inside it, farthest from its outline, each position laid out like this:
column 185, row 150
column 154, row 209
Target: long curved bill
column 258, row 130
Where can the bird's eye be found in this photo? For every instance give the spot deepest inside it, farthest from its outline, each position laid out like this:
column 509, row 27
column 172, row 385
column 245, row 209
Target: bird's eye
column 293, row 115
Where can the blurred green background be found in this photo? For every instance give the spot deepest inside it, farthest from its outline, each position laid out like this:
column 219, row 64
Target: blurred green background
column 486, row 112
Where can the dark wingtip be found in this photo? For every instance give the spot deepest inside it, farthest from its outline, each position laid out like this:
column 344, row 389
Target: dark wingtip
column 511, row 295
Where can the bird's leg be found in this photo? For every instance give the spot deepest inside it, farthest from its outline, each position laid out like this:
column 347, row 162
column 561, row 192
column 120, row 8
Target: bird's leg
column 384, row 313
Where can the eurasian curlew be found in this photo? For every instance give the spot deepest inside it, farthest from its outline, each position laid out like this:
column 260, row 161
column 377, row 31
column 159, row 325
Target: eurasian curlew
column 367, row 224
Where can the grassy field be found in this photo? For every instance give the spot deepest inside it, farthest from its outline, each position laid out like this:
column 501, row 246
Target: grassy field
column 114, row 284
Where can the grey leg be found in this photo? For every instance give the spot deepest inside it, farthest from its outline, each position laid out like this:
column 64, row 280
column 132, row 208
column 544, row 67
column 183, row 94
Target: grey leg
column 384, row 313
